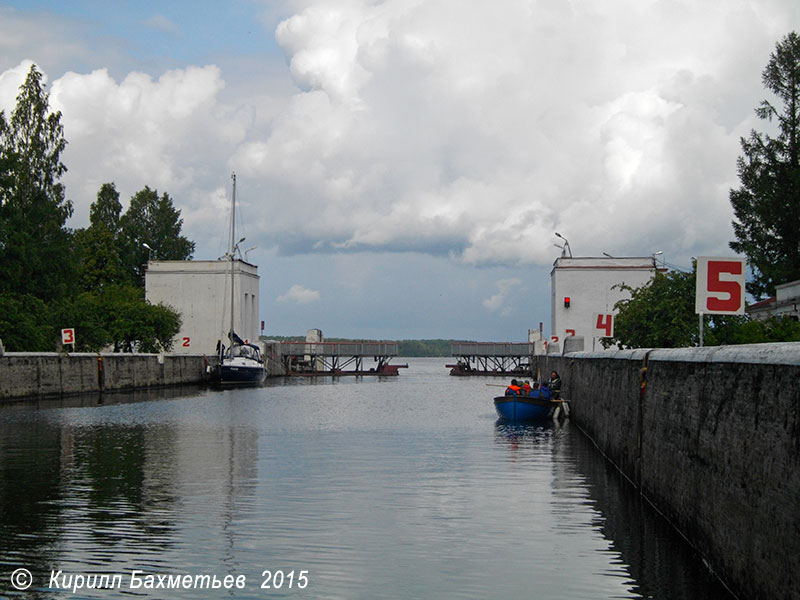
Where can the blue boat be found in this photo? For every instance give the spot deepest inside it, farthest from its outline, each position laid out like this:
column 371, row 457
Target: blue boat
column 540, row 405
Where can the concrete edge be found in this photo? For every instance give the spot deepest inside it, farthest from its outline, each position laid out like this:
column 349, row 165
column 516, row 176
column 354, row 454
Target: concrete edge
column 779, row 353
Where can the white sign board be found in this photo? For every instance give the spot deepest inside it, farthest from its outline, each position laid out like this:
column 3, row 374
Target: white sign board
column 67, row 336
column 603, row 325
column 720, row 286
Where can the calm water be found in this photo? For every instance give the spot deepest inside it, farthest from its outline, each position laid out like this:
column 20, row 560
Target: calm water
column 401, row 487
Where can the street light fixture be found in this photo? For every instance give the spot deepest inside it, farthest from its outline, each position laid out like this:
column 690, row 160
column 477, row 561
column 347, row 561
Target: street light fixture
column 149, row 250
column 655, row 264
column 565, row 248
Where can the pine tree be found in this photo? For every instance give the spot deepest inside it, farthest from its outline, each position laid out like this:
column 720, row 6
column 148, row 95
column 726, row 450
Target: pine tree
column 767, row 205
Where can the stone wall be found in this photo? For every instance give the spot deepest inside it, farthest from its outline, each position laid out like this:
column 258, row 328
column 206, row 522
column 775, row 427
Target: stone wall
column 712, row 440
column 24, row 375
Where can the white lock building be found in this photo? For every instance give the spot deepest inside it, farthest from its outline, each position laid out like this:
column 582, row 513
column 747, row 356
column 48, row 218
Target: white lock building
column 201, row 291
column 583, row 294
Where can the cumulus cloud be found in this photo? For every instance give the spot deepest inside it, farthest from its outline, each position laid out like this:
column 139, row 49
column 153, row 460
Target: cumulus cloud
column 470, row 130
column 482, row 129
column 299, row 294
column 498, row 303
column 170, row 133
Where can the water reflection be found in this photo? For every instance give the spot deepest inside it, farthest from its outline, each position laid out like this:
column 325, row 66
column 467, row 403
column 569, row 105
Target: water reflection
column 653, row 559
column 103, row 493
column 661, row 562
column 403, row 488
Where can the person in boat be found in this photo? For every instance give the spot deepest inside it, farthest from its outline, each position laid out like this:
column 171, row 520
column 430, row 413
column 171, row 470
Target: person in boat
column 513, row 389
column 526, row 388
column 555, row 385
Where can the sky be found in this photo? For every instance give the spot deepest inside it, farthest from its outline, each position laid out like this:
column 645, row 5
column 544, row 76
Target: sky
column 403, row 165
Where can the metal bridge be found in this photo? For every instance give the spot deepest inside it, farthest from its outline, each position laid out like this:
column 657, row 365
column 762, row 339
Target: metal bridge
column 491, row 358
column 338, row 358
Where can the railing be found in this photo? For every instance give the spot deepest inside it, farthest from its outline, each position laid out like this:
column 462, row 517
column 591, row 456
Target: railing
column 338, row 348
column 491, row 349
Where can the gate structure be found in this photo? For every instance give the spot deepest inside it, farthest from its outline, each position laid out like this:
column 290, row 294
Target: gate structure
column 338, row 358
column 491, row 358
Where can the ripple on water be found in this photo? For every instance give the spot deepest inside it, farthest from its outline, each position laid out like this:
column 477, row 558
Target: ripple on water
column 380, row 488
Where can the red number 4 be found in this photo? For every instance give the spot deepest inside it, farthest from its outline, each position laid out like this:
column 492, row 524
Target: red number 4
column 605, row 322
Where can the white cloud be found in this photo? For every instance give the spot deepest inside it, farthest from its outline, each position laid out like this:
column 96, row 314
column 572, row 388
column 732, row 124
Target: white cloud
column 162, row 23
column 168, row 133
column 300, row 295
column 471, row 130
column 498, row 303
column 444, row 124
column 10, row 81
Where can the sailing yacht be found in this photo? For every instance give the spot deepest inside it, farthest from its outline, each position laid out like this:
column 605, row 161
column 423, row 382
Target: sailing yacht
column 241, row 362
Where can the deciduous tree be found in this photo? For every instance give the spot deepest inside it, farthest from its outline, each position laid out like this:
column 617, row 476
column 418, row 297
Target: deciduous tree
column 35, row 245
column 153, row 220
column 660, row 314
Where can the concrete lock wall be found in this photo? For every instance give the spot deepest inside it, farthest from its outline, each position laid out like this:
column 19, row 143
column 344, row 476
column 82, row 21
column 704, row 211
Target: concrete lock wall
column 24, row 375
column 712, row 440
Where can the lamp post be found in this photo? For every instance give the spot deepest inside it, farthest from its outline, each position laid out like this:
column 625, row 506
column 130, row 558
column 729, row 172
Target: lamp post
column 655, row 264
column 565, row 248
column 149, row 251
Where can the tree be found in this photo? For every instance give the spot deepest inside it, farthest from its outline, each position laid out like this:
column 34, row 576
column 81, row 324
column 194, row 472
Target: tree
column 767, row 205
column 106, row 210
column 136, row 325
column 25, row 324
column 660, row 314
column 98, row 247
column 153, row 220
column 35, row 245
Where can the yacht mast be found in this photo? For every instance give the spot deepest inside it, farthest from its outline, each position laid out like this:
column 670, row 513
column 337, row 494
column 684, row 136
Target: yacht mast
column 232, row 247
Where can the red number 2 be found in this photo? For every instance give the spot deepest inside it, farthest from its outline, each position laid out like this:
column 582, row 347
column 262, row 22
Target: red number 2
column 185, row 342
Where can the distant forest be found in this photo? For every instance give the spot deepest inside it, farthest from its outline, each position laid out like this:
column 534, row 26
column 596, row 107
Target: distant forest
column 406, row 347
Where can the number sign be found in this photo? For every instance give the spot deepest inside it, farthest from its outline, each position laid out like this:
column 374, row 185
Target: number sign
column 720, row 286
column 603, row 325
column 68, row 336
column 186, row 342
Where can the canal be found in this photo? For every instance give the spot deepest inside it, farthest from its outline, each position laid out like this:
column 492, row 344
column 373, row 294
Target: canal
column 402, row 487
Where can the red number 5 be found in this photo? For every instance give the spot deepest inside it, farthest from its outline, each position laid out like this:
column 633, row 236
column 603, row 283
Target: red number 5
column 732, row 288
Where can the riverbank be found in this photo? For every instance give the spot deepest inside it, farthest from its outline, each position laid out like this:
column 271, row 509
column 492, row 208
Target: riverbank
column 711, row 438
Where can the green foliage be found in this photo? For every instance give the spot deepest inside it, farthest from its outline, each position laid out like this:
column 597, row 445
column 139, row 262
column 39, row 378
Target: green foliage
column 40, row 257
column 84, row 315
column 99, row 246
column 660, row 314
column 153, row 220
column 25, row 324
column 99, row 263
column 106, row 210
column 35, row 246
column 767, row 205
column 135, row 325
